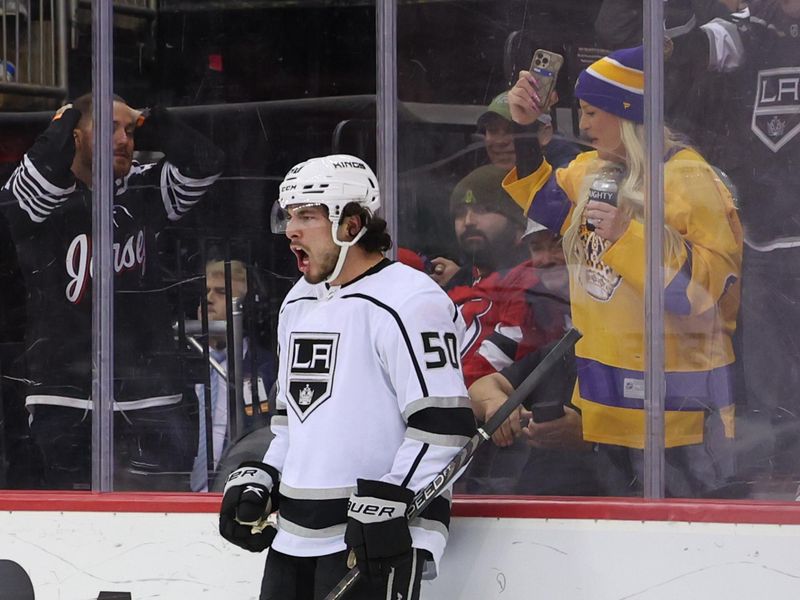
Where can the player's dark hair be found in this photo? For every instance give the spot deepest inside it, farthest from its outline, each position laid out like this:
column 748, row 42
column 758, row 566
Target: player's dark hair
column 376, row 239
column 84, row 105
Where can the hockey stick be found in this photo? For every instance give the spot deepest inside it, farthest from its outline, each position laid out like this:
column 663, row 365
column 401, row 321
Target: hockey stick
column 426, row 495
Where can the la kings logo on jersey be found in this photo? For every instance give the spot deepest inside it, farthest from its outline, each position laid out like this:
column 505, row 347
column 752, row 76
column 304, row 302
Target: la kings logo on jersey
column 312, row 362
column 776, row 112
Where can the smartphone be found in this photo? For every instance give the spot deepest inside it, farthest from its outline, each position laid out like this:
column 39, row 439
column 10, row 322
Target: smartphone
column 547, row 411
column 544, row 68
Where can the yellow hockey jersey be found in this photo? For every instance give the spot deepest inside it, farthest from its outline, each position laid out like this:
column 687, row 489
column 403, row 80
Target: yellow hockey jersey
column 701, row 299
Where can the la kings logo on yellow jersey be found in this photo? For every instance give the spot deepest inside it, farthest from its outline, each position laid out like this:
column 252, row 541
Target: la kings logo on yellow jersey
column 312, row 362
column 595, row 276
column 776, row 112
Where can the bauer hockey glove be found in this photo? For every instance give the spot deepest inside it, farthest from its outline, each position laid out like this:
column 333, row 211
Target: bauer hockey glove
column 377, row 527
column 251, row 494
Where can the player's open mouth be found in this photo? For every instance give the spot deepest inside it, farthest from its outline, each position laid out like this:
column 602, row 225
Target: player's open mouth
column 302, row 259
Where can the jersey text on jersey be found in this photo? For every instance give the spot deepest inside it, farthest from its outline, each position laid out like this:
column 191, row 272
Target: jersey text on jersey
column 78, row 261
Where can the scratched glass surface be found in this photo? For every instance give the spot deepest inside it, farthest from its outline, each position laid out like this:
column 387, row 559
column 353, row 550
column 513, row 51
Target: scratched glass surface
column 216, row 104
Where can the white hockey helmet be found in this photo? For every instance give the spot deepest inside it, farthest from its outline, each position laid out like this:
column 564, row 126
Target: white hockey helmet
column 332, row 181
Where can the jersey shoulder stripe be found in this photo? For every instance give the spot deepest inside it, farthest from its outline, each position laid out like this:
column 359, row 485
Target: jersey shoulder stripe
column 423, row 386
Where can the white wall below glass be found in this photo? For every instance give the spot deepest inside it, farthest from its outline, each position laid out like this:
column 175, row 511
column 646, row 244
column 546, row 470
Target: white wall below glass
column 161, row 555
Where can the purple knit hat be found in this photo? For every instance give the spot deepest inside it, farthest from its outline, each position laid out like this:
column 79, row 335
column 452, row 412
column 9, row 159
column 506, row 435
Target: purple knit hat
column 615, row 84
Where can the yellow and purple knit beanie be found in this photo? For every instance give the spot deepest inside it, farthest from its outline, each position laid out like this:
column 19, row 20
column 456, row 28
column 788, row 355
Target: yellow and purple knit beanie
column 615, row 84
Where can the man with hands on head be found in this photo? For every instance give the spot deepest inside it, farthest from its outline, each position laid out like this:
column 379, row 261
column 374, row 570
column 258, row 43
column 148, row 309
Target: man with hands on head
column 48, row 204
column 370, row 404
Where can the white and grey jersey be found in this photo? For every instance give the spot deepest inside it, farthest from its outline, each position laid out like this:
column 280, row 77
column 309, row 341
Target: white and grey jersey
column 369, row 386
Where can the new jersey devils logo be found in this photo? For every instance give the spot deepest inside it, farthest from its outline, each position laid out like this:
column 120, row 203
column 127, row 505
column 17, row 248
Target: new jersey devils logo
column 312, row 362
column 776, row 112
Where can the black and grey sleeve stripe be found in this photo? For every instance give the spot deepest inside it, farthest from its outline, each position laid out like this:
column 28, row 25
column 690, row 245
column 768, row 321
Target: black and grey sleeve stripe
column 180, row 193
column 34, row 193
column 314, row 513
column 447, row 422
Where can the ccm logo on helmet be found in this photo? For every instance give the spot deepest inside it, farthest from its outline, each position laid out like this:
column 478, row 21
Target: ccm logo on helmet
column 370, row 509
column 348, row 163
column 288, row 188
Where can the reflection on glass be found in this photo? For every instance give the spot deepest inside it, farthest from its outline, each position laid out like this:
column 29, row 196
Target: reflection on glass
column 236, row 88
column 267, row 101
column 733, row 84
column 706, row 93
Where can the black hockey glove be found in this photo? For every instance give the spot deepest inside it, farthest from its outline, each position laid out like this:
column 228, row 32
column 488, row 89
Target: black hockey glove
column 251, row 494
column 377, row 527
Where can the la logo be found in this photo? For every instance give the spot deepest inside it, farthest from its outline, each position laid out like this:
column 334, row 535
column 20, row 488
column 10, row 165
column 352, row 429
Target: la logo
column 309, row 374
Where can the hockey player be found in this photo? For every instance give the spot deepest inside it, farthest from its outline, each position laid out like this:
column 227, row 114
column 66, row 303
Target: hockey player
column 48, row 204
column 371, row 403
column 597, row 203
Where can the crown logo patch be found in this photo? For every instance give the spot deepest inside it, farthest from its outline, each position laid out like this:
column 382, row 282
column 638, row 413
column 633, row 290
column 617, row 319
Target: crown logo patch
column 776, row 127
column 306, row 396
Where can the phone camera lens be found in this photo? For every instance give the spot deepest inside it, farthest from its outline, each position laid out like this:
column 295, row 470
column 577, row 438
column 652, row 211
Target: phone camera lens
column 538, row 62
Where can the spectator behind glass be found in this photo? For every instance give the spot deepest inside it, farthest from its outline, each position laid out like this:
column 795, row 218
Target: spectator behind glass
column 619, row 22
column 604, row 245
column 255, row 414
column 48, row 204
column 499, row 131
column 491, row 289
column 488, row 227
column 496, row 467
column 692, row 96
column 756, row 57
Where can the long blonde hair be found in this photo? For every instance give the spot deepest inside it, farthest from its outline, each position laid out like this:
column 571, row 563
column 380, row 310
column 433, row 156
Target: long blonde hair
column 630, row 197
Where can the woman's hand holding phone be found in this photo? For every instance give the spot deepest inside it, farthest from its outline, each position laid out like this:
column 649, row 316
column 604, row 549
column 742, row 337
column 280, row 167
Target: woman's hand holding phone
column 524, row 101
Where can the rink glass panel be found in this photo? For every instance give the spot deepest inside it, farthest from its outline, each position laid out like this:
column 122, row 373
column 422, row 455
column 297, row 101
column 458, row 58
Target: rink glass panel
column 269, row 99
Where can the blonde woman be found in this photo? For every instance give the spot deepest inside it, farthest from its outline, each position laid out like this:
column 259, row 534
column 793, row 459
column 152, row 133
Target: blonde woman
column 597, row 204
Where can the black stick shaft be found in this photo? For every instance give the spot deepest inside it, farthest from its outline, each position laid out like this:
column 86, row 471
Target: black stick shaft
column 532, row 381
column 426, row 495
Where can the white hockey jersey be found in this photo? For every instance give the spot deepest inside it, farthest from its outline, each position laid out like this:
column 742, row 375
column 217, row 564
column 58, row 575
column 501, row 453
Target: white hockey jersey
column 369, row 386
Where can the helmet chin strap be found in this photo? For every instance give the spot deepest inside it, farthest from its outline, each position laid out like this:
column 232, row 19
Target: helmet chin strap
column 343, row 248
